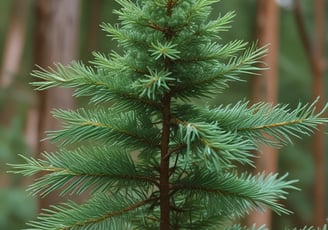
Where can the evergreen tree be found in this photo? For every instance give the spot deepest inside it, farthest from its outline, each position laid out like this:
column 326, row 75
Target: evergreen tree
column 149, row 157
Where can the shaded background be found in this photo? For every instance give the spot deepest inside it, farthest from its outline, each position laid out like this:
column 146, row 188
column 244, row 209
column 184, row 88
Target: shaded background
column 44, row 32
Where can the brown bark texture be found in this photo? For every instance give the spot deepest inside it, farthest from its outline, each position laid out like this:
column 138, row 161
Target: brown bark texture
column 11, row 60
column 94, row 22
column 165, row 167
column 13, row 52
column 14, row 43
column 264, row 88
column 319, row 139
column 57, row 23
column 314, row 49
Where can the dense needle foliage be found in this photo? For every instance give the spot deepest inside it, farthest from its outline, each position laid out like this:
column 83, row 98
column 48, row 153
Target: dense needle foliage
column 149, row 157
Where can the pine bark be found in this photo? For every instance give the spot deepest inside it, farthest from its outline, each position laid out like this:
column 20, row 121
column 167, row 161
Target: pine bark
column 314, row 49
column 57, row 23
column 264, row 88
column 94, row 22
column 164, row 166
column 13, row 52
column 14, row 43
column 11, row 61
column 319, row 136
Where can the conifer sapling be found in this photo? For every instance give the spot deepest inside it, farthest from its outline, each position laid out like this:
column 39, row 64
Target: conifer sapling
column 149, row 157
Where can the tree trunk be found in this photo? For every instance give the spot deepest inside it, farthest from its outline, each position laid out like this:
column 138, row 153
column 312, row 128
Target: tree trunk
column 94, row 28
column 319, row 90
column 56, row 41
column 13, row 52
column 11, row 60
column 264, row 88
column 14, row 44
column 315, row 54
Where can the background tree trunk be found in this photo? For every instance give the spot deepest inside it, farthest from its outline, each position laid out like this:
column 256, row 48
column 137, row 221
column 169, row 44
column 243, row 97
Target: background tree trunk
column 57, row 26
column 319, row 136
column 13, row 52
column 14, row 44
column 314, row 49
column 94, row 25
column 264, row 88
column 11, row 60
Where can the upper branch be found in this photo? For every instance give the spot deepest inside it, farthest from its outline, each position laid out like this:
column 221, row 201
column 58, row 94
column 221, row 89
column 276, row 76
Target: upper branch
column 169, row 6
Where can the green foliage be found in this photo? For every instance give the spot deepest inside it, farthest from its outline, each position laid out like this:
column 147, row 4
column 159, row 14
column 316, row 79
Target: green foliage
column 313, row 228
column 170, row 55
column 16, row 208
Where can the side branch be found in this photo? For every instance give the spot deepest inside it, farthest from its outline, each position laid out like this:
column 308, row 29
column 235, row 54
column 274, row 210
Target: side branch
column 92, row 125
column 156, row 27
column 109, row 215
column 169, row 6
column 273, row 125
column 68, row 172
column 167, row 31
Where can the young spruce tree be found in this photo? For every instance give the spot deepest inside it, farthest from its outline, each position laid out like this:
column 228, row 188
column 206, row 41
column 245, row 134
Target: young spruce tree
column 149, row 157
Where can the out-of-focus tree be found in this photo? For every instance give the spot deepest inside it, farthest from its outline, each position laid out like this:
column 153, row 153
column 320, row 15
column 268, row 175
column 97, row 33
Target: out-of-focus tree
column 265, row 88
column 57, row 24
column 92, row 37
column 314, row 49
column 15, row 206
column 93, row 27
column 11, row 59
column 14, row 43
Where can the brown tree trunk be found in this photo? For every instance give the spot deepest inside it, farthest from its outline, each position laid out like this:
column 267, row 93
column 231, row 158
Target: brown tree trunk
column 14, row 44
column 165, row 167
column 11, row 59
column 315, row 54
column 56, row 41
column 13, row 52
column 319, row 90
column 264, row 88
column 94, row 28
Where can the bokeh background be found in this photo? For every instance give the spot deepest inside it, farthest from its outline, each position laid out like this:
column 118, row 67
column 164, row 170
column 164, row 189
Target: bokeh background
column 43, row 32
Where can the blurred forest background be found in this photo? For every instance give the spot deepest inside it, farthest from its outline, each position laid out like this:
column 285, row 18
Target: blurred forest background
column 44, row 32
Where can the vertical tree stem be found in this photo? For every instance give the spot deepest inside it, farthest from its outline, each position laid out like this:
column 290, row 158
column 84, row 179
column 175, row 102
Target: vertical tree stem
column 319, row 136
column 315, row 54
column 56, row 41
column 164, row 166
column 265, row 89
